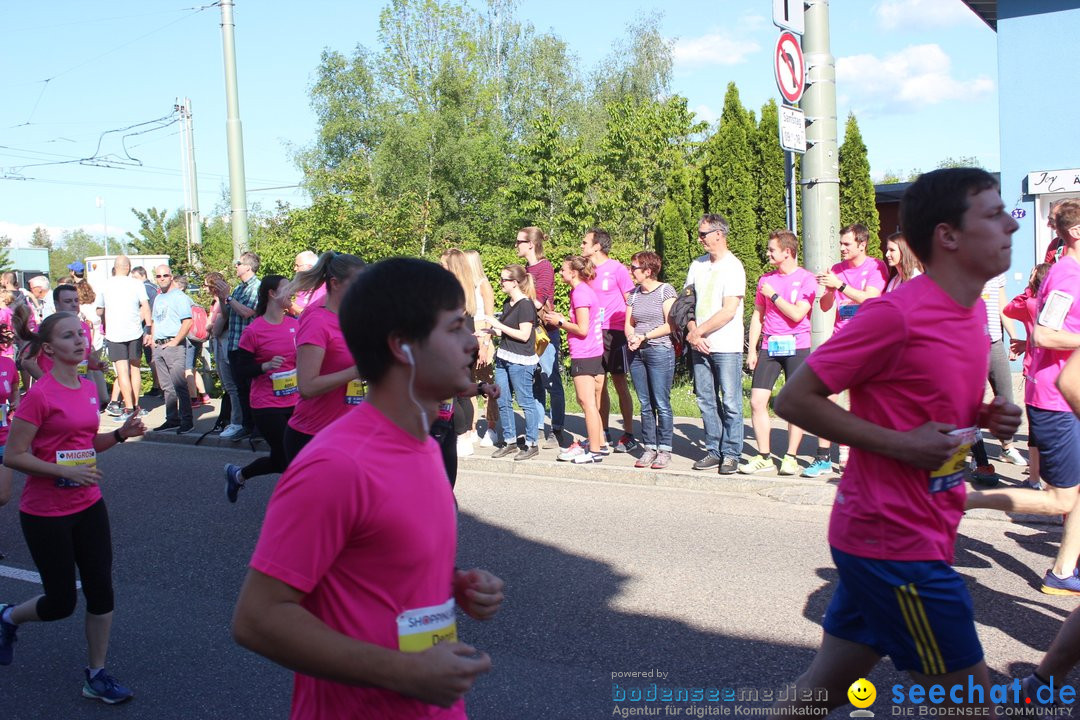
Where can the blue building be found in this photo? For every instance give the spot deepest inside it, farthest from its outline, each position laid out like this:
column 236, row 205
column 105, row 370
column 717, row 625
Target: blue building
column 1038, row 111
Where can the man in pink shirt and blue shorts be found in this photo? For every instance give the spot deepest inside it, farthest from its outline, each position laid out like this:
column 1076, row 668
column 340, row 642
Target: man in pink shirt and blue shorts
column 915, row 363
column 1053, row 428
column 353, row 582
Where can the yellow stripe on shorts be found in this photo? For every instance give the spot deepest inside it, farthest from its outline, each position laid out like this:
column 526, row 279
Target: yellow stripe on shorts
column 911, row 606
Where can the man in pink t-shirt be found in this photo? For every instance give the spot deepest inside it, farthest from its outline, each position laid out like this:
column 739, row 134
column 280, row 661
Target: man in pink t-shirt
column 780, row 329
column 353, row 582
column 1053, row 428
column 848, row 284
column 915, row 363
column 612, row 285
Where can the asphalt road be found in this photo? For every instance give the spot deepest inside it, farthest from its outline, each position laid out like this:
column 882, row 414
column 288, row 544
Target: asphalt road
column 714, row 589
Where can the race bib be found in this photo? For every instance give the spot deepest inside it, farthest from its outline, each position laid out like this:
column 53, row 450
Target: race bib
column 951, row 473
column 425, row 628
column 446, row 410
column 5, row 408
column 781, row 345
column 74, row 457
column 848, row 311
column 354, row 392
column 284, row 383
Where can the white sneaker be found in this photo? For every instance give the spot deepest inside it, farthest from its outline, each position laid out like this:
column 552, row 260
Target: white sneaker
column 464, row 446
column 486, row 441
column 1012, row 455
column 231, row 430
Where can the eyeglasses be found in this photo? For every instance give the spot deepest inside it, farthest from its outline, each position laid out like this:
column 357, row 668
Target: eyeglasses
column 706, row 233
column 163, row 276
column 636, row 268
column 523, row 242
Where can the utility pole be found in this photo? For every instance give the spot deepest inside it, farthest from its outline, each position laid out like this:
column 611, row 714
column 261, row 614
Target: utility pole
column 235, row 134
column 100, row 202
column 192, row 219
column 820, row 166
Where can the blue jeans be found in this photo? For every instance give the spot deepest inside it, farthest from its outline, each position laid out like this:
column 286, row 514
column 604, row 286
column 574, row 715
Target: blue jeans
column 652, row 369
column 519, row 379
column 549, row 381
column 719, row 376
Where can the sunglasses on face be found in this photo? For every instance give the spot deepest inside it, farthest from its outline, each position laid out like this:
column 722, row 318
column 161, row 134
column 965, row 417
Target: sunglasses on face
column 502, row 279
column 163, row 276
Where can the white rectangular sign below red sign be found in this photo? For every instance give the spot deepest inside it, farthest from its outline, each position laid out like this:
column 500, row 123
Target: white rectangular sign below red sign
column 792, row 129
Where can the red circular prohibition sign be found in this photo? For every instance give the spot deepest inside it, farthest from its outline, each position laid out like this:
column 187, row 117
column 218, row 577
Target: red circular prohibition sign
column 789, row 67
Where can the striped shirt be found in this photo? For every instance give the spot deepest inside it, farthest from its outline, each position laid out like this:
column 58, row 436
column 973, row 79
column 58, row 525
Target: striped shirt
column 991, row 295
column 648, row 308
column 246, row 293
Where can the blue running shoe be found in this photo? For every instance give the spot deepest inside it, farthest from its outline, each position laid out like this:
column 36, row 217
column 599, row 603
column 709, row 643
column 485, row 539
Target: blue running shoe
column 233, row 484
column 7, row 637
column 105, row 688
column 818, row 468
column 1053, row 585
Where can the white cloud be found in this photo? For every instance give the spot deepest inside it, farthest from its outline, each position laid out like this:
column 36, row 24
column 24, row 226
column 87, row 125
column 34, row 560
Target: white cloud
column 705, row 113
column 913, row 78
column 718, row 47
column 923, row 14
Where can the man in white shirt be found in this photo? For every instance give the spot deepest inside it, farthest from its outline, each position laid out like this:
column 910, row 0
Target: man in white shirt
column 123, row 304
column 716, row 339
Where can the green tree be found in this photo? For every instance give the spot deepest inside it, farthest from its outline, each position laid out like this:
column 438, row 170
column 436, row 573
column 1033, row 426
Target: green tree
column 731, row 184
column 74, row 245
column 772, row 193
column 5, row 257
column 40, row 238
column 676, row 227
column 162, row 234
column 858, row 201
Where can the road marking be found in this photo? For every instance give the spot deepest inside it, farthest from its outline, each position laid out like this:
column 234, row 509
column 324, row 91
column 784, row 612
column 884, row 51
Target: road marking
column 25, row 575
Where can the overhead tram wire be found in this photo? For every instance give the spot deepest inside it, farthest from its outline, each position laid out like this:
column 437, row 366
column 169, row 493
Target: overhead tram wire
column 46, row 81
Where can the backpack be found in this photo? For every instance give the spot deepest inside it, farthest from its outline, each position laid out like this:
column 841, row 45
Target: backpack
column 681, row 313
column 199, row 324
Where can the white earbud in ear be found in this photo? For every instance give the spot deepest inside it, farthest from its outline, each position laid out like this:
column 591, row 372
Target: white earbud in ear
column 408, row 352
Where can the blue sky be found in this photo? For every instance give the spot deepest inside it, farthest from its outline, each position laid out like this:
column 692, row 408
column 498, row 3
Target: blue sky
column 921, row 76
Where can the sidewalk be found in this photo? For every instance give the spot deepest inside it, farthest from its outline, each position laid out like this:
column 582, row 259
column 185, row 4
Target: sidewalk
column 618, row 468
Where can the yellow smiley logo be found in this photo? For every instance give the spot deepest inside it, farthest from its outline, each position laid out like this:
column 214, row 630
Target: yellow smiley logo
column 862, row 693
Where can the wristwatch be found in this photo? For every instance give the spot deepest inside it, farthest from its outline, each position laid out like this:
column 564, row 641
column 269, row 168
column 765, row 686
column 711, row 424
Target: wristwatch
column 841, row 288
column 559, row 323
column 774, row 296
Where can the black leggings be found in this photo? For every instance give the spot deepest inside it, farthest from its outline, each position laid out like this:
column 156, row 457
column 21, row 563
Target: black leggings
column 294, row 443
column 58, row 545
column 271, row 423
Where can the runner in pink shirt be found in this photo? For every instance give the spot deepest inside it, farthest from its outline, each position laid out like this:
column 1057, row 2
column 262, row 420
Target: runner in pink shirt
column 915, row 362
column 612, row 284
column 584, row 330
column 9, row 399
column 54, row 440
column 780, row 330
column 1025, row 308
column 356, row 557
column 267, row 356
column 326, row 374
column 851, row 282
column 1052, row 426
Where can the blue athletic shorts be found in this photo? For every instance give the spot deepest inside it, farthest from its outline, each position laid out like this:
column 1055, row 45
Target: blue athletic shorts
column 1057, row 435
column 917, row 613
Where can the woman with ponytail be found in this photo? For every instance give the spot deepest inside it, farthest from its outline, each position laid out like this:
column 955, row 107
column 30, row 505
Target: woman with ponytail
column 326, row 373
column 267, row 359
column 516, row 361
column 54, row 439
